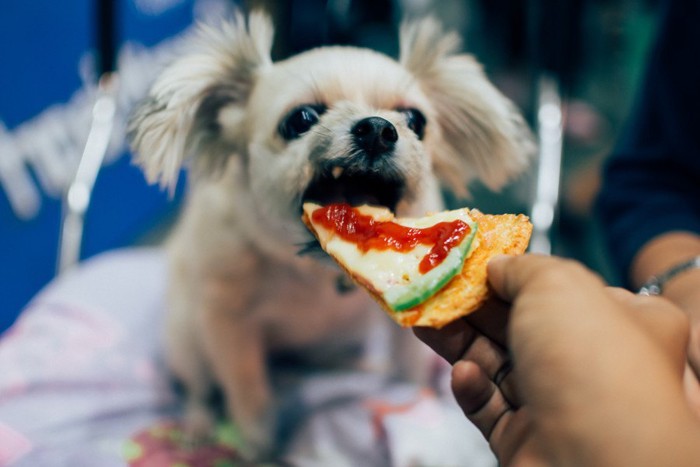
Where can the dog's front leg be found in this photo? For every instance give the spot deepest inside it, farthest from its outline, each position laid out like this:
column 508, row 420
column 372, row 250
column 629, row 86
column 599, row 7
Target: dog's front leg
column 235, row 345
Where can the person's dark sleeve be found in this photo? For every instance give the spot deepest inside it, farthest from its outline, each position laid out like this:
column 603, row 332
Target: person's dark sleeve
column 651, row 183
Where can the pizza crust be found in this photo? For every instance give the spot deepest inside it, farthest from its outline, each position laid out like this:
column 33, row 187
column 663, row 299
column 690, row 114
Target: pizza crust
column 497, row 234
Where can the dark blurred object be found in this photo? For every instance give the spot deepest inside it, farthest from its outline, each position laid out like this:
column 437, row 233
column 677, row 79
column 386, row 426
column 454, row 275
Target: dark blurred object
column 505, row 23
column 106, row 32
column 555, row 38
column 304, row 24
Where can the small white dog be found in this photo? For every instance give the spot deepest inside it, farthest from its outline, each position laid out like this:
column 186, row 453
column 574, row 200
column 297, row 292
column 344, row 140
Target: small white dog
column 330, row 124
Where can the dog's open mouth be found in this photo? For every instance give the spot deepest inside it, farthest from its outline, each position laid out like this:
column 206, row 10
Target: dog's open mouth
column 338, row 185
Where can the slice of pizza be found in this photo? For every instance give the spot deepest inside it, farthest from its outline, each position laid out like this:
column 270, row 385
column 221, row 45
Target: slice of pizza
column 424, row 271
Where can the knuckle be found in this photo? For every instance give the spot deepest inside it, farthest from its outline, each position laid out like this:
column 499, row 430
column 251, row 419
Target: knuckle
column 560, row 273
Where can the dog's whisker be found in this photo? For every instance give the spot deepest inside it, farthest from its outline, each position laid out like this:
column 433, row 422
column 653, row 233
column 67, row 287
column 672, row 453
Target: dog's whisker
column 316, row 130
column 321, row 133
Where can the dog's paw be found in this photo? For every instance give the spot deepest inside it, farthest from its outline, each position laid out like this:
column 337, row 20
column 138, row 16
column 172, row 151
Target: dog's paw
column 199, row 425
column 259, row 437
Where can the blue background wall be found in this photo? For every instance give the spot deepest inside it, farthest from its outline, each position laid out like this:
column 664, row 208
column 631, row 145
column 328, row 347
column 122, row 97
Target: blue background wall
column 46, row 52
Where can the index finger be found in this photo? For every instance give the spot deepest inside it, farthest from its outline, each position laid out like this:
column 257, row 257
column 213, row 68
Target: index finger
column 510, row 275
column 451, row 341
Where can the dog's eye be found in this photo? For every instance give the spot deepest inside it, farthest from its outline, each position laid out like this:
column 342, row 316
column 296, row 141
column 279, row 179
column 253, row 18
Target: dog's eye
column 415, row 121
column 300, row 120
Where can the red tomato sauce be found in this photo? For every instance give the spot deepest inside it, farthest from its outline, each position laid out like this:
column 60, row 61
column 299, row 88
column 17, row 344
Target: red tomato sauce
column 369, row 234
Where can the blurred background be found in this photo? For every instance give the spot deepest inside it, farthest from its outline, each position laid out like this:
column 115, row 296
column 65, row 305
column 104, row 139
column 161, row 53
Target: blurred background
column 589, row 53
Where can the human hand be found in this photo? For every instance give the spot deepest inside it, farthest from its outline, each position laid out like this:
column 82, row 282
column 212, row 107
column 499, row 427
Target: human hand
column 592, row 366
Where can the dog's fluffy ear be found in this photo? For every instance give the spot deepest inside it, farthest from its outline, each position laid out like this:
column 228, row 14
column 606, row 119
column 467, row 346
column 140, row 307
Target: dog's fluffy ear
column 483, row 135
column 180, row 117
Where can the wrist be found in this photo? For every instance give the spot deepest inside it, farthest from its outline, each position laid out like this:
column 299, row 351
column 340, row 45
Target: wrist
column 657, row 284
column 662, row 254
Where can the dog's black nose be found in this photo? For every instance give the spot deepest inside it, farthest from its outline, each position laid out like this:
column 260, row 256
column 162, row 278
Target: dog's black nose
column 374, row 135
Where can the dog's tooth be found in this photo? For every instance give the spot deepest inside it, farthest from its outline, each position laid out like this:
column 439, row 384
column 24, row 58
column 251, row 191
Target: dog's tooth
column 337, row 171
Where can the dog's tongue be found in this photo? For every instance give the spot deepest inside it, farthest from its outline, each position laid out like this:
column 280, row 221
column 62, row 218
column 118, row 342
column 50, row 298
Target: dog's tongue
column 354, row 197
column 362, row 198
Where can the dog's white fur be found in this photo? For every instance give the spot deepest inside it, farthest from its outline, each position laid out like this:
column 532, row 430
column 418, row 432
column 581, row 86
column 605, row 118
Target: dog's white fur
column 238, row 288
